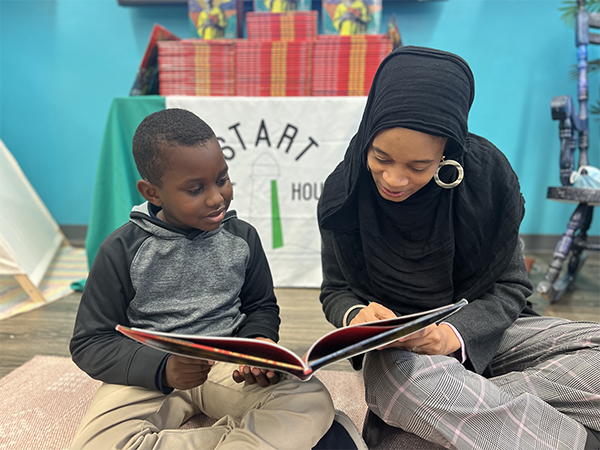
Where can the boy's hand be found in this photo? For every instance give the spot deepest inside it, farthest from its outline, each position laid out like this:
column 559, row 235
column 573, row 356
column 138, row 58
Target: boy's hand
column 185, row 373
column 254, row 375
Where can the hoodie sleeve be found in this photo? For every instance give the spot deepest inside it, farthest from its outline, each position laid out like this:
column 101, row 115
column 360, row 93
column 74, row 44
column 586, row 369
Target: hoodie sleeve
column 96, row 347
column 257, row 295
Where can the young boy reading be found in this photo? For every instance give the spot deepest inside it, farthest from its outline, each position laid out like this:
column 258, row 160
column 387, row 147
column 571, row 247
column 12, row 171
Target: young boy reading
column 184, row 264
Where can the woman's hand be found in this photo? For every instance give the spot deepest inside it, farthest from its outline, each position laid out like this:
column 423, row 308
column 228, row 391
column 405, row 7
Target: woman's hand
column 432, row 340
column 185, row 373
column 372, row 313
column 254, row 375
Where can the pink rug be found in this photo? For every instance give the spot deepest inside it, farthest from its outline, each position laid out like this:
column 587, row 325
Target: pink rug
column 43, row 401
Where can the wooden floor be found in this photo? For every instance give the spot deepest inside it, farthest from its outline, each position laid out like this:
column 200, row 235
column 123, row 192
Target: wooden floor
column 46, row 331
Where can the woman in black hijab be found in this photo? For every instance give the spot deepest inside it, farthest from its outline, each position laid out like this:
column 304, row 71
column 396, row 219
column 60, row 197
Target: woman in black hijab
column 419, row 214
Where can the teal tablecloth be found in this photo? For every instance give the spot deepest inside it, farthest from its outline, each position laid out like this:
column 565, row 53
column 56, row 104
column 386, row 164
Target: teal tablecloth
column 115, row 192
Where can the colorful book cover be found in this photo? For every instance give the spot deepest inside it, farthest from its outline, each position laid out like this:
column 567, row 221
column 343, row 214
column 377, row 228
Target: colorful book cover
column 276, row 6
column 351, row 17
column 213, row 19
column 394, row 33
column 146, row 81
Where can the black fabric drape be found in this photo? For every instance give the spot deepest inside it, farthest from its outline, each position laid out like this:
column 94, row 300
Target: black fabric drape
column 438, row 245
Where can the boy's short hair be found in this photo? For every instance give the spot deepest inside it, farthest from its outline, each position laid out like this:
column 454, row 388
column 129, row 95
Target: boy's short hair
column 161, row 130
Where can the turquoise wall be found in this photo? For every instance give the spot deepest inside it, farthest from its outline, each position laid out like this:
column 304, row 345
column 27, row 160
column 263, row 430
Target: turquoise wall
column 63, row 61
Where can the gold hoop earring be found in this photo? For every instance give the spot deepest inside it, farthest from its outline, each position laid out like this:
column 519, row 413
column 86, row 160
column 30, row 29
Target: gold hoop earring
column 459, row 178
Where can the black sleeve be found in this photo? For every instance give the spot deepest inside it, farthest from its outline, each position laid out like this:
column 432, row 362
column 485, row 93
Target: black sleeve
column 257, row 295
column 483, row 321
column 336, row 296
column 96, row 347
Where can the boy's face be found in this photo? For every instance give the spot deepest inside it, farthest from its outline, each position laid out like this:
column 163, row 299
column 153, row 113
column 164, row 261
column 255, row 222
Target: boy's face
column 196, row 191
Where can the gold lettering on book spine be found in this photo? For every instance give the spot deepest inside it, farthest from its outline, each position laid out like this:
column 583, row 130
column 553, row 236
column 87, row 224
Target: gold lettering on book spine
column 202, row 65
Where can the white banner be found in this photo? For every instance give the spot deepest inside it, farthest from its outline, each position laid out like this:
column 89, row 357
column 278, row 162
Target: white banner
column 280, row 150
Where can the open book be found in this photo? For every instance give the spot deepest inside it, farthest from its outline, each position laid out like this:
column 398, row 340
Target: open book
column 334, row 346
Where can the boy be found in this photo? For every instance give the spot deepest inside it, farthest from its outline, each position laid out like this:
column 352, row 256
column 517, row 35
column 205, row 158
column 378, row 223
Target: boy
column 184, row 264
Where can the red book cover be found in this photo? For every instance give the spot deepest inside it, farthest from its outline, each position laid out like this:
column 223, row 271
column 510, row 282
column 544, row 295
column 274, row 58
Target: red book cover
column 146, row 81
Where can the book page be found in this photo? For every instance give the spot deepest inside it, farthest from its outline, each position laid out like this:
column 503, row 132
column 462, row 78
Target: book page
column 253, row 352
column 356, row 339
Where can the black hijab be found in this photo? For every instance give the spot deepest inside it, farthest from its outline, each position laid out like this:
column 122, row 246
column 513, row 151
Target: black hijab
column 438, row 245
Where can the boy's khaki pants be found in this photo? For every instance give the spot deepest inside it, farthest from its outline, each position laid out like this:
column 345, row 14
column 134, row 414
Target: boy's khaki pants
column 288, row 415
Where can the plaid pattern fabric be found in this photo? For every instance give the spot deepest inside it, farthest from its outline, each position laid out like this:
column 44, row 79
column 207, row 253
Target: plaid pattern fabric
column 545, row 382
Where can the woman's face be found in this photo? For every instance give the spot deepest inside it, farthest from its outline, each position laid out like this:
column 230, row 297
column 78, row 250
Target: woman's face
column 402, row 161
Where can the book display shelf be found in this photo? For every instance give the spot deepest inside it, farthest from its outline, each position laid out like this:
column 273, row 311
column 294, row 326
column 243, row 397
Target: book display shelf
column 290, row 50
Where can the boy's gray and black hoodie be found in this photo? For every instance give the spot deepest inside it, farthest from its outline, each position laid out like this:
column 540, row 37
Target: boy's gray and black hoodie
column 151, row 275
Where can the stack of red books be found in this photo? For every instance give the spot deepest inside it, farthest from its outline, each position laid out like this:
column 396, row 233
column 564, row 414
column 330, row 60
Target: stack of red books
column 346, row 65
column 287, row 26
column 276, row 59
column 277, row 68
column 196, row 67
